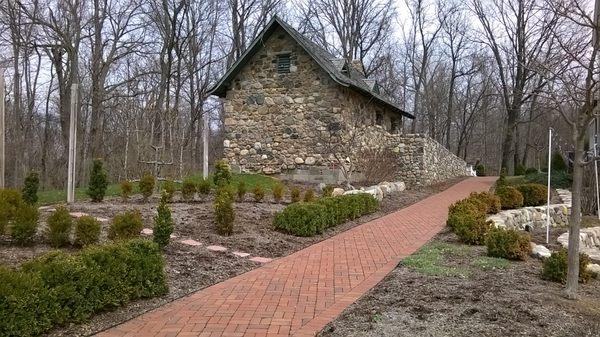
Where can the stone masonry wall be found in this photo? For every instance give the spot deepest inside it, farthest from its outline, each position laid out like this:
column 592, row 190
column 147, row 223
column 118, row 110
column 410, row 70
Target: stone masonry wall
column 426, row 162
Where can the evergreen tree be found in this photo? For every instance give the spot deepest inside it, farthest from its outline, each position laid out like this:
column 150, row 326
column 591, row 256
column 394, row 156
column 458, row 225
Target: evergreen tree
column 163, row 223
column 30, row 188
column 98, row 181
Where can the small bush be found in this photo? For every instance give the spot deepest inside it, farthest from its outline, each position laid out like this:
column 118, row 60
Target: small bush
column 533, row 194
column 466, row 218
column 295, row 194
column 520, row 170
column 222, row 175
column 10, row 201
column 510, row 197
column 258, row 193
column 531, row 170
column 224, row 213
column 59, row 227
column 163, row 223
column 241, row 190
column 555, row 267
column 204, row 186
column 127, row 225
column 168, row 190
column 558, row 163
column 188, row 189
column 309, row 195
column 327, row 191
column 490, row 200
column 126, row 189
column 87, row 231
column 30, row 187
column 508, row 244
column 311, row 218
column 147, row 183
column 480, row 170
column 98, row 181
column 278, row 191
column 25, row 224
column 58, row 288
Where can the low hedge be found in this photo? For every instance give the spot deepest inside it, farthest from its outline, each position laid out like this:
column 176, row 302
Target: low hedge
column 533, row 194
column 510, row 197
column 59, row 288
column 508, row 244
column 311, row 218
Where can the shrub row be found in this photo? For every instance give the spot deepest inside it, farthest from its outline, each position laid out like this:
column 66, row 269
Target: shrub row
column 311, row 218
column 60, row 288
column 530, row 194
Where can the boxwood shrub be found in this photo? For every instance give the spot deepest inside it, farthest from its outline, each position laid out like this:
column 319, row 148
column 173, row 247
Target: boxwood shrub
column 467, row 218
column 510, row 197
column 555, row 267
column 533, row 194
column 311, row 218
column 508, row 244
column 60, row 288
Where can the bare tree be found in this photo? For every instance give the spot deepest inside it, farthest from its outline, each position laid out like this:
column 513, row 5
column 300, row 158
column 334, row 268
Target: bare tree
column 574, row 92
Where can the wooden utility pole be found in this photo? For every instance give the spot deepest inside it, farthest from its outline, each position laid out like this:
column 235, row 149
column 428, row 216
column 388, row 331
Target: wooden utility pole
column 2, row 129
column 72, row 145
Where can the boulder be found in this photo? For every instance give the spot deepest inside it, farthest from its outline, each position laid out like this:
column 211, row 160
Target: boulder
column 299, row 160
column 594, row 268
column 376, row 191
column 337, row 191
column 310, row 161
column 400, row 186
column 541, row 251
column 321, row 186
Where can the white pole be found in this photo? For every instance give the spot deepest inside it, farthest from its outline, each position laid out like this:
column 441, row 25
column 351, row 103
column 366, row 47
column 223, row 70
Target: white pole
column 548, row 196
column 2, row 128
column 72, row 146
column 205, row 131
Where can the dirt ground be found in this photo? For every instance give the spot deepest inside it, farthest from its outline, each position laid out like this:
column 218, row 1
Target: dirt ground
column 192, row 268
column 508, row 301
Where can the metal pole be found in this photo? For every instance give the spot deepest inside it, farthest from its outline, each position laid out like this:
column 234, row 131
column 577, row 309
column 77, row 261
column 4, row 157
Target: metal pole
column 72, row 145
column 2, row 129
column 205, row 131
column 548, row 196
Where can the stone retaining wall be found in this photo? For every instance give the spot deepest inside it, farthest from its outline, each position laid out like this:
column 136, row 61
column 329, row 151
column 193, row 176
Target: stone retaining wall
column 589, row 242
column 534, row 217
column 426, row 162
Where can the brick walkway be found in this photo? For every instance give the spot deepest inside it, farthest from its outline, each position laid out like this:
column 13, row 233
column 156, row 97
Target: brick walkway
column 299, row 294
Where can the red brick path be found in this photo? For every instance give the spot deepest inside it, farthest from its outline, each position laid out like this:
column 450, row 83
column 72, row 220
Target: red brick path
column 299, row 294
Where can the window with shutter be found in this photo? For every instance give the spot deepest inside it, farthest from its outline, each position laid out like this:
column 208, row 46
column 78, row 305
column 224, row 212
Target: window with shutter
column 283, row 63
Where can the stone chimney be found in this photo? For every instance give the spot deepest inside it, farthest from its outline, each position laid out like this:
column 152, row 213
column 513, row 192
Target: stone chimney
column 357, row 65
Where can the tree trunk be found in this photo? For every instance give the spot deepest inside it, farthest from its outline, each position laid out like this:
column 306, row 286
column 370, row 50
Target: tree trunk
column 575, row 218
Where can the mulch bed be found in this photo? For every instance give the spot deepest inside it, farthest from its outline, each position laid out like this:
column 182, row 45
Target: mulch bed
column 192, row 268
column 499, row 302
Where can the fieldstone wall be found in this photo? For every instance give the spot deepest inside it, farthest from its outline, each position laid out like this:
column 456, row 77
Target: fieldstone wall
column 426, row 162
column 534, row 217
column 304, row 126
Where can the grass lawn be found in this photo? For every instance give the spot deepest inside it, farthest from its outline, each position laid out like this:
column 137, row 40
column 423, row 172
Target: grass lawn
column 435, row 259
column 60, row 196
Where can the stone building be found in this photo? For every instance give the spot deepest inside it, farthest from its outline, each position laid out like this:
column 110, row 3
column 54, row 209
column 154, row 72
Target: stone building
column 293, row 109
